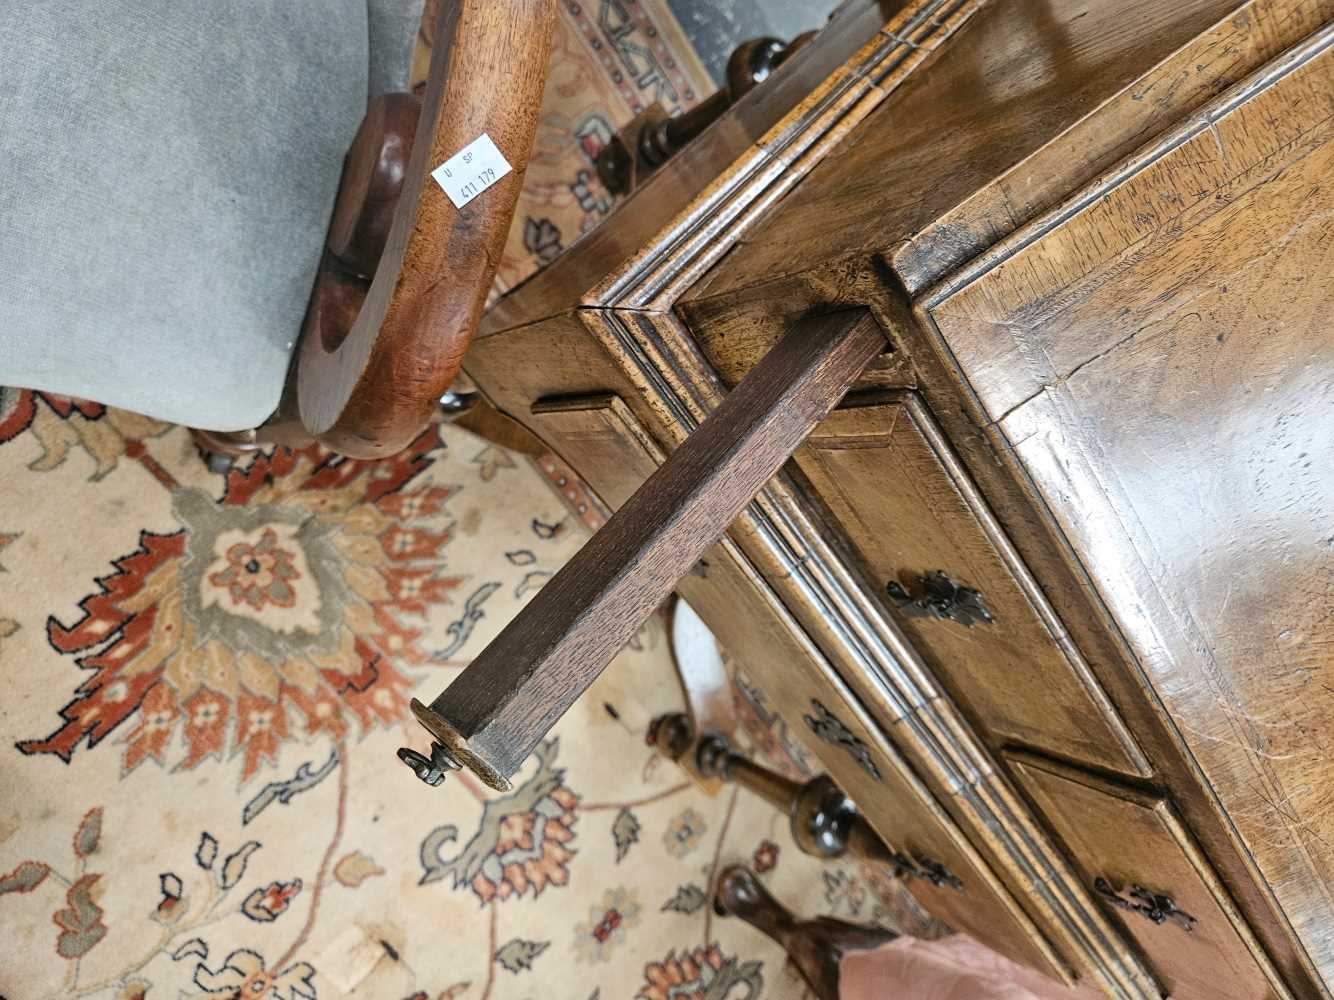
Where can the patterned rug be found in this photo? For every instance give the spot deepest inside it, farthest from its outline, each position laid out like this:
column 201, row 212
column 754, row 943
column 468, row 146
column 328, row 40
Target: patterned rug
column 206, row 678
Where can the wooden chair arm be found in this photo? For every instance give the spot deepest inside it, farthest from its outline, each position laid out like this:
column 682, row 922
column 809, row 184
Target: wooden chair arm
column 367, row 387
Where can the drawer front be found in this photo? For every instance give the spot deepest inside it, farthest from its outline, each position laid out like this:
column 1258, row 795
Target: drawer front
column 956, row 585
column 600, row 437
column 1156, row 354
column 1147, row 870
column 825, row 716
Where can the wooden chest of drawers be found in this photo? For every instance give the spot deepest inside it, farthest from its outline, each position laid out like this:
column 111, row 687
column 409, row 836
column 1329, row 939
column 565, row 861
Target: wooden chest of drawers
column 1051, row 594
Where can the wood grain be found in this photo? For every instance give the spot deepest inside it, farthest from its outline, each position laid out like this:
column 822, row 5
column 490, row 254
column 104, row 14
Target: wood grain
column 899, row 494
column 761, row 635
column 506, row 700
column 371, row 393
column 1037, row 98
column 734, row 154
column 1167, row 386
column 658, row 372
column 1132, row 838
column 1012, row 124
column 372, row 183
column 736, row 310
column 614, row 452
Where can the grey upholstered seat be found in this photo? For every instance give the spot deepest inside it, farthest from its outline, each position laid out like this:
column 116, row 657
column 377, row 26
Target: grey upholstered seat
column 167, row 171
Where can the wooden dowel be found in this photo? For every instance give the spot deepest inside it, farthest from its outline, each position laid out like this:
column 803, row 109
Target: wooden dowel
column 502, row 705
column 825, row 822
column 780, row 792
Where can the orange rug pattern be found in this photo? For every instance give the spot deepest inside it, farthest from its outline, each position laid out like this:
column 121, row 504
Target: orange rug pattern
column 207, row 676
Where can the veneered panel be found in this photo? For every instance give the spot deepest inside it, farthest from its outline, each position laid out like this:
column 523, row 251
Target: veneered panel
column 1160, row 357
column 598, row 435
column 1129, row 839
column 896, row 489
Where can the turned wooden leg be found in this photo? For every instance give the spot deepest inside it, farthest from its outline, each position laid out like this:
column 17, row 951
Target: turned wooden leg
column 815, row 946
column 825, row 823
column 653, row 137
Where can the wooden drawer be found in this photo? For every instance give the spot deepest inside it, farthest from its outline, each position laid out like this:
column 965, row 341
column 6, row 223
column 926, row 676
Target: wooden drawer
column 821, row 712
column 887, row 475
column 1131, row 847
column 599, row 436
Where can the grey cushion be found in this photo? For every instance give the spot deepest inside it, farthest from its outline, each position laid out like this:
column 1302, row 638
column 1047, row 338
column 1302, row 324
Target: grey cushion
column 168, row 170
column 392, row 30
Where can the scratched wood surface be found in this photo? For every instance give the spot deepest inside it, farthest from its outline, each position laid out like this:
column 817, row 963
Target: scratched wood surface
column 733, row 153
column 990, row 142
column 369, row 390
column 792, row 262
column 1160, row 360
column 601, row 437
column 1037, row 97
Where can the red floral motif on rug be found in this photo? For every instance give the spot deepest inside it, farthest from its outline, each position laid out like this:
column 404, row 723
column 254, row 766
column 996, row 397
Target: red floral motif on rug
column 286, row 608
column 254, row 638
column 523, row 842
column 18, row 409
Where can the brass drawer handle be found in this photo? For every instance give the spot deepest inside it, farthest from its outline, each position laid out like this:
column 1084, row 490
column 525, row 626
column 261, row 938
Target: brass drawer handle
column 907, row 867
column 941, row 598
column 1152, row 906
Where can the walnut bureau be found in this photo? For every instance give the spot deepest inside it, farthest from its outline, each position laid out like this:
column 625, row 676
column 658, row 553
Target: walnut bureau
column 1051, row 592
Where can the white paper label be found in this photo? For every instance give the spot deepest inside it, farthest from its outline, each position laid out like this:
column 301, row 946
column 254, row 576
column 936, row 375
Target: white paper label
column 471, row 170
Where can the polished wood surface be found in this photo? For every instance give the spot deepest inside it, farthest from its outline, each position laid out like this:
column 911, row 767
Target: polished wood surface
column 824, row 822
column 635, row 153
column 502, row 705
column 905, row 502
column 369, row 198
column 813, row 89
column 608, row 441
column 864, row 762
column 372, row 183
column 1096, row 236
column 1132, row 845
column 614, row 451
column 369, row 390
column 1037, row 97
column 1169, row 392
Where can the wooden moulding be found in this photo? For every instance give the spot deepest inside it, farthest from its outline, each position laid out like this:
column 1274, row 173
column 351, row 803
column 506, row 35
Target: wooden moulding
column 607, row 443
column 632, row 313
column 1254, row 151
column 1178, row 100
column 502, row 705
